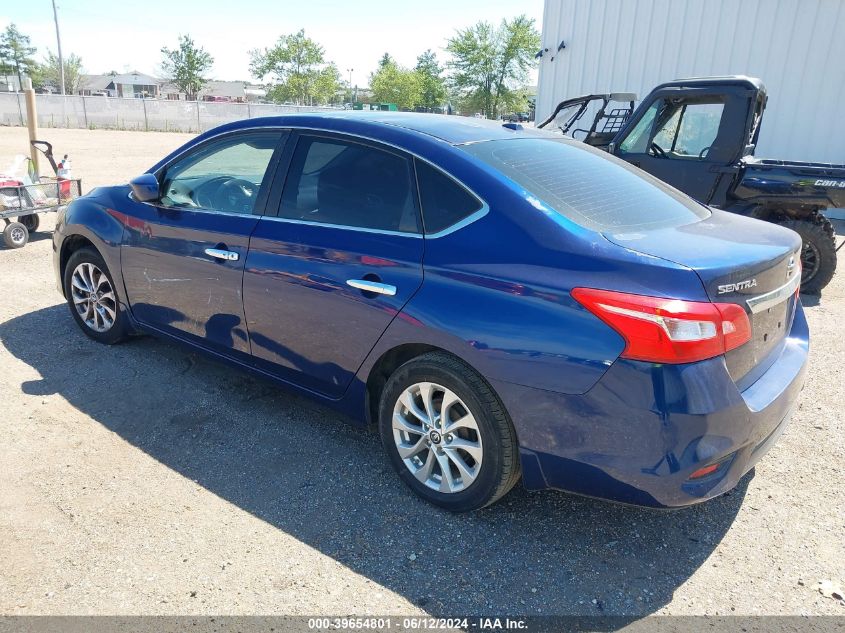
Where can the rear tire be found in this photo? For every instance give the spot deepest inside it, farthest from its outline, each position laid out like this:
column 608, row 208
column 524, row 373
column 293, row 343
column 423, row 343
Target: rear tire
column 31, row 222
column 474, row 441
column 818, row 254
column 15, row 235
column 92, row 299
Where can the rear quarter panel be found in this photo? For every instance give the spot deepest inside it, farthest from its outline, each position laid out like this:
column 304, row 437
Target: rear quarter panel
column 496, row 293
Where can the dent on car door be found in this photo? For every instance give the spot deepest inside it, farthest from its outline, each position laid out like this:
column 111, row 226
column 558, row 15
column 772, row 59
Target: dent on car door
column 325, row 277
column 183, row 255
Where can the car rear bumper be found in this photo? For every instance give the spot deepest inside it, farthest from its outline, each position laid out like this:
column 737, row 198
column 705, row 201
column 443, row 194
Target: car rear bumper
column 640, row 433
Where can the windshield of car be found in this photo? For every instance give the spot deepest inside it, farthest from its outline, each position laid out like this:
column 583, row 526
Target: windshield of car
column 590, row 187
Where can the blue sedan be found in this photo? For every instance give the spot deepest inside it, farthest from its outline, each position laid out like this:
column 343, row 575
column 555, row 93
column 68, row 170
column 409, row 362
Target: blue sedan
column 502, row 303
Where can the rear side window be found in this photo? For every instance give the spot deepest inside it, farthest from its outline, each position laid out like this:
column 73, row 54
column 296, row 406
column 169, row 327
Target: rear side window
column 339, row 182
column 588, row 186
column 444, row 201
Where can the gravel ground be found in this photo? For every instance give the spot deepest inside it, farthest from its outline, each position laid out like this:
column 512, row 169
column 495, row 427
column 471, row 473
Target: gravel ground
column 143, row 479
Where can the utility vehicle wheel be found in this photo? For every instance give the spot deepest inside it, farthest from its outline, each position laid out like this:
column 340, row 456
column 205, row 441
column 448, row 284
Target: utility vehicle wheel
column 447, row 434
column 818, row 254
column 31, row 222
column 91, row 296
column 15, row 235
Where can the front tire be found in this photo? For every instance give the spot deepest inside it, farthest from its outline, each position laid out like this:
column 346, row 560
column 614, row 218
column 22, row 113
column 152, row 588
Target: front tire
column 447, row 434
column 92, row 299
column 818, row 254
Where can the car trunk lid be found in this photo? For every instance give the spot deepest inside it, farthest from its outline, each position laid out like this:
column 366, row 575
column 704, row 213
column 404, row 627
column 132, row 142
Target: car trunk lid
column 739, row 260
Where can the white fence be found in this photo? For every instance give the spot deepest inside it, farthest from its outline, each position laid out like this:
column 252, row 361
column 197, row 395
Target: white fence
column 73, row 111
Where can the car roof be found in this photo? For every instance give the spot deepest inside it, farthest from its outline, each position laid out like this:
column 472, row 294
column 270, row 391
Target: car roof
column 716, row 80
column 456, row 130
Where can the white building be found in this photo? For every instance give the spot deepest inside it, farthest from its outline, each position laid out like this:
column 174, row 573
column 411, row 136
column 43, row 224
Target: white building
column 797, row 47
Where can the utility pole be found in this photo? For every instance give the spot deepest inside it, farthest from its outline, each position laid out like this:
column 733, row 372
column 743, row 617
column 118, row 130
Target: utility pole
column 31, row 119
column 59, row 45
column 349, row 70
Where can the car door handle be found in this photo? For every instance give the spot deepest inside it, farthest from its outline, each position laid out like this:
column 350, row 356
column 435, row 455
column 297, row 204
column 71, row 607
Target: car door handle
column 219, row 253
column 372, row 286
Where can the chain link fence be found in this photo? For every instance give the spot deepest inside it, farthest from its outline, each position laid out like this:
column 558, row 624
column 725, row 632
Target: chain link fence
column 162, row 115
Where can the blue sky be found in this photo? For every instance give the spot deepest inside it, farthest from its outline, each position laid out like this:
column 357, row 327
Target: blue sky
column 126, row 35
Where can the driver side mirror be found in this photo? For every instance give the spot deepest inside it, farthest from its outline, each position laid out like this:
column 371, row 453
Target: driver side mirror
column 145, row 188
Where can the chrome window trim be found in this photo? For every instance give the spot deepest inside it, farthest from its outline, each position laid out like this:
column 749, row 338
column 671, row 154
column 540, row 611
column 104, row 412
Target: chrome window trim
column 477, row 215
column 769, row 299
column 233, row 214
column 254, row 128
column 472, row 217
column 360, row 229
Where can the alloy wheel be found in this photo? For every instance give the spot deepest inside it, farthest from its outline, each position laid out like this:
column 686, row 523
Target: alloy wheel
column 93, row 297
column 437, row 437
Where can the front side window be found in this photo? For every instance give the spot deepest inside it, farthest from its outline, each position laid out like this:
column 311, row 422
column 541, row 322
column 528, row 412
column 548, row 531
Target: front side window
column 637, row 140
column 444, row 201
column 698, row 129
column 345, row 183
column 588, row 186
column 668, row 132
column 673, row 128
column 223, row 176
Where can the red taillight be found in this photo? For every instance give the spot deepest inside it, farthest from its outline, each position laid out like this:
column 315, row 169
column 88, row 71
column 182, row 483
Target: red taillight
column 736, row 328
column 661, row 330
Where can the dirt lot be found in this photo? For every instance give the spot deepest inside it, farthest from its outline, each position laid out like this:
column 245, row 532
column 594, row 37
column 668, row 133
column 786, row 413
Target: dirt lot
column 141, row 479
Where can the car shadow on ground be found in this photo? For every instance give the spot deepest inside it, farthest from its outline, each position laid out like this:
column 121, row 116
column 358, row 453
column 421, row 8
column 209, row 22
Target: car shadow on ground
column 301, row 468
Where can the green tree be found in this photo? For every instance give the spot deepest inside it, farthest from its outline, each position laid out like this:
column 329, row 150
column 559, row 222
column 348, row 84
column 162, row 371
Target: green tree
column 6, row 70
column 298, row 68
column 432, row 84
column 490, row 64
column 328, row 86
column 186, row 66
column 515, row 101
column 16, row 53
column 392, row 83
column 48, row 74
column 385, row 60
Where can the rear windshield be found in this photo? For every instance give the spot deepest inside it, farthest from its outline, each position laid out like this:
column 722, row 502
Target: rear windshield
column 588, row 186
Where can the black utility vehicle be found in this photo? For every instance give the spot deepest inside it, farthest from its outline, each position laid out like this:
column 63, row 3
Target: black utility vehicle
column 699, row 135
